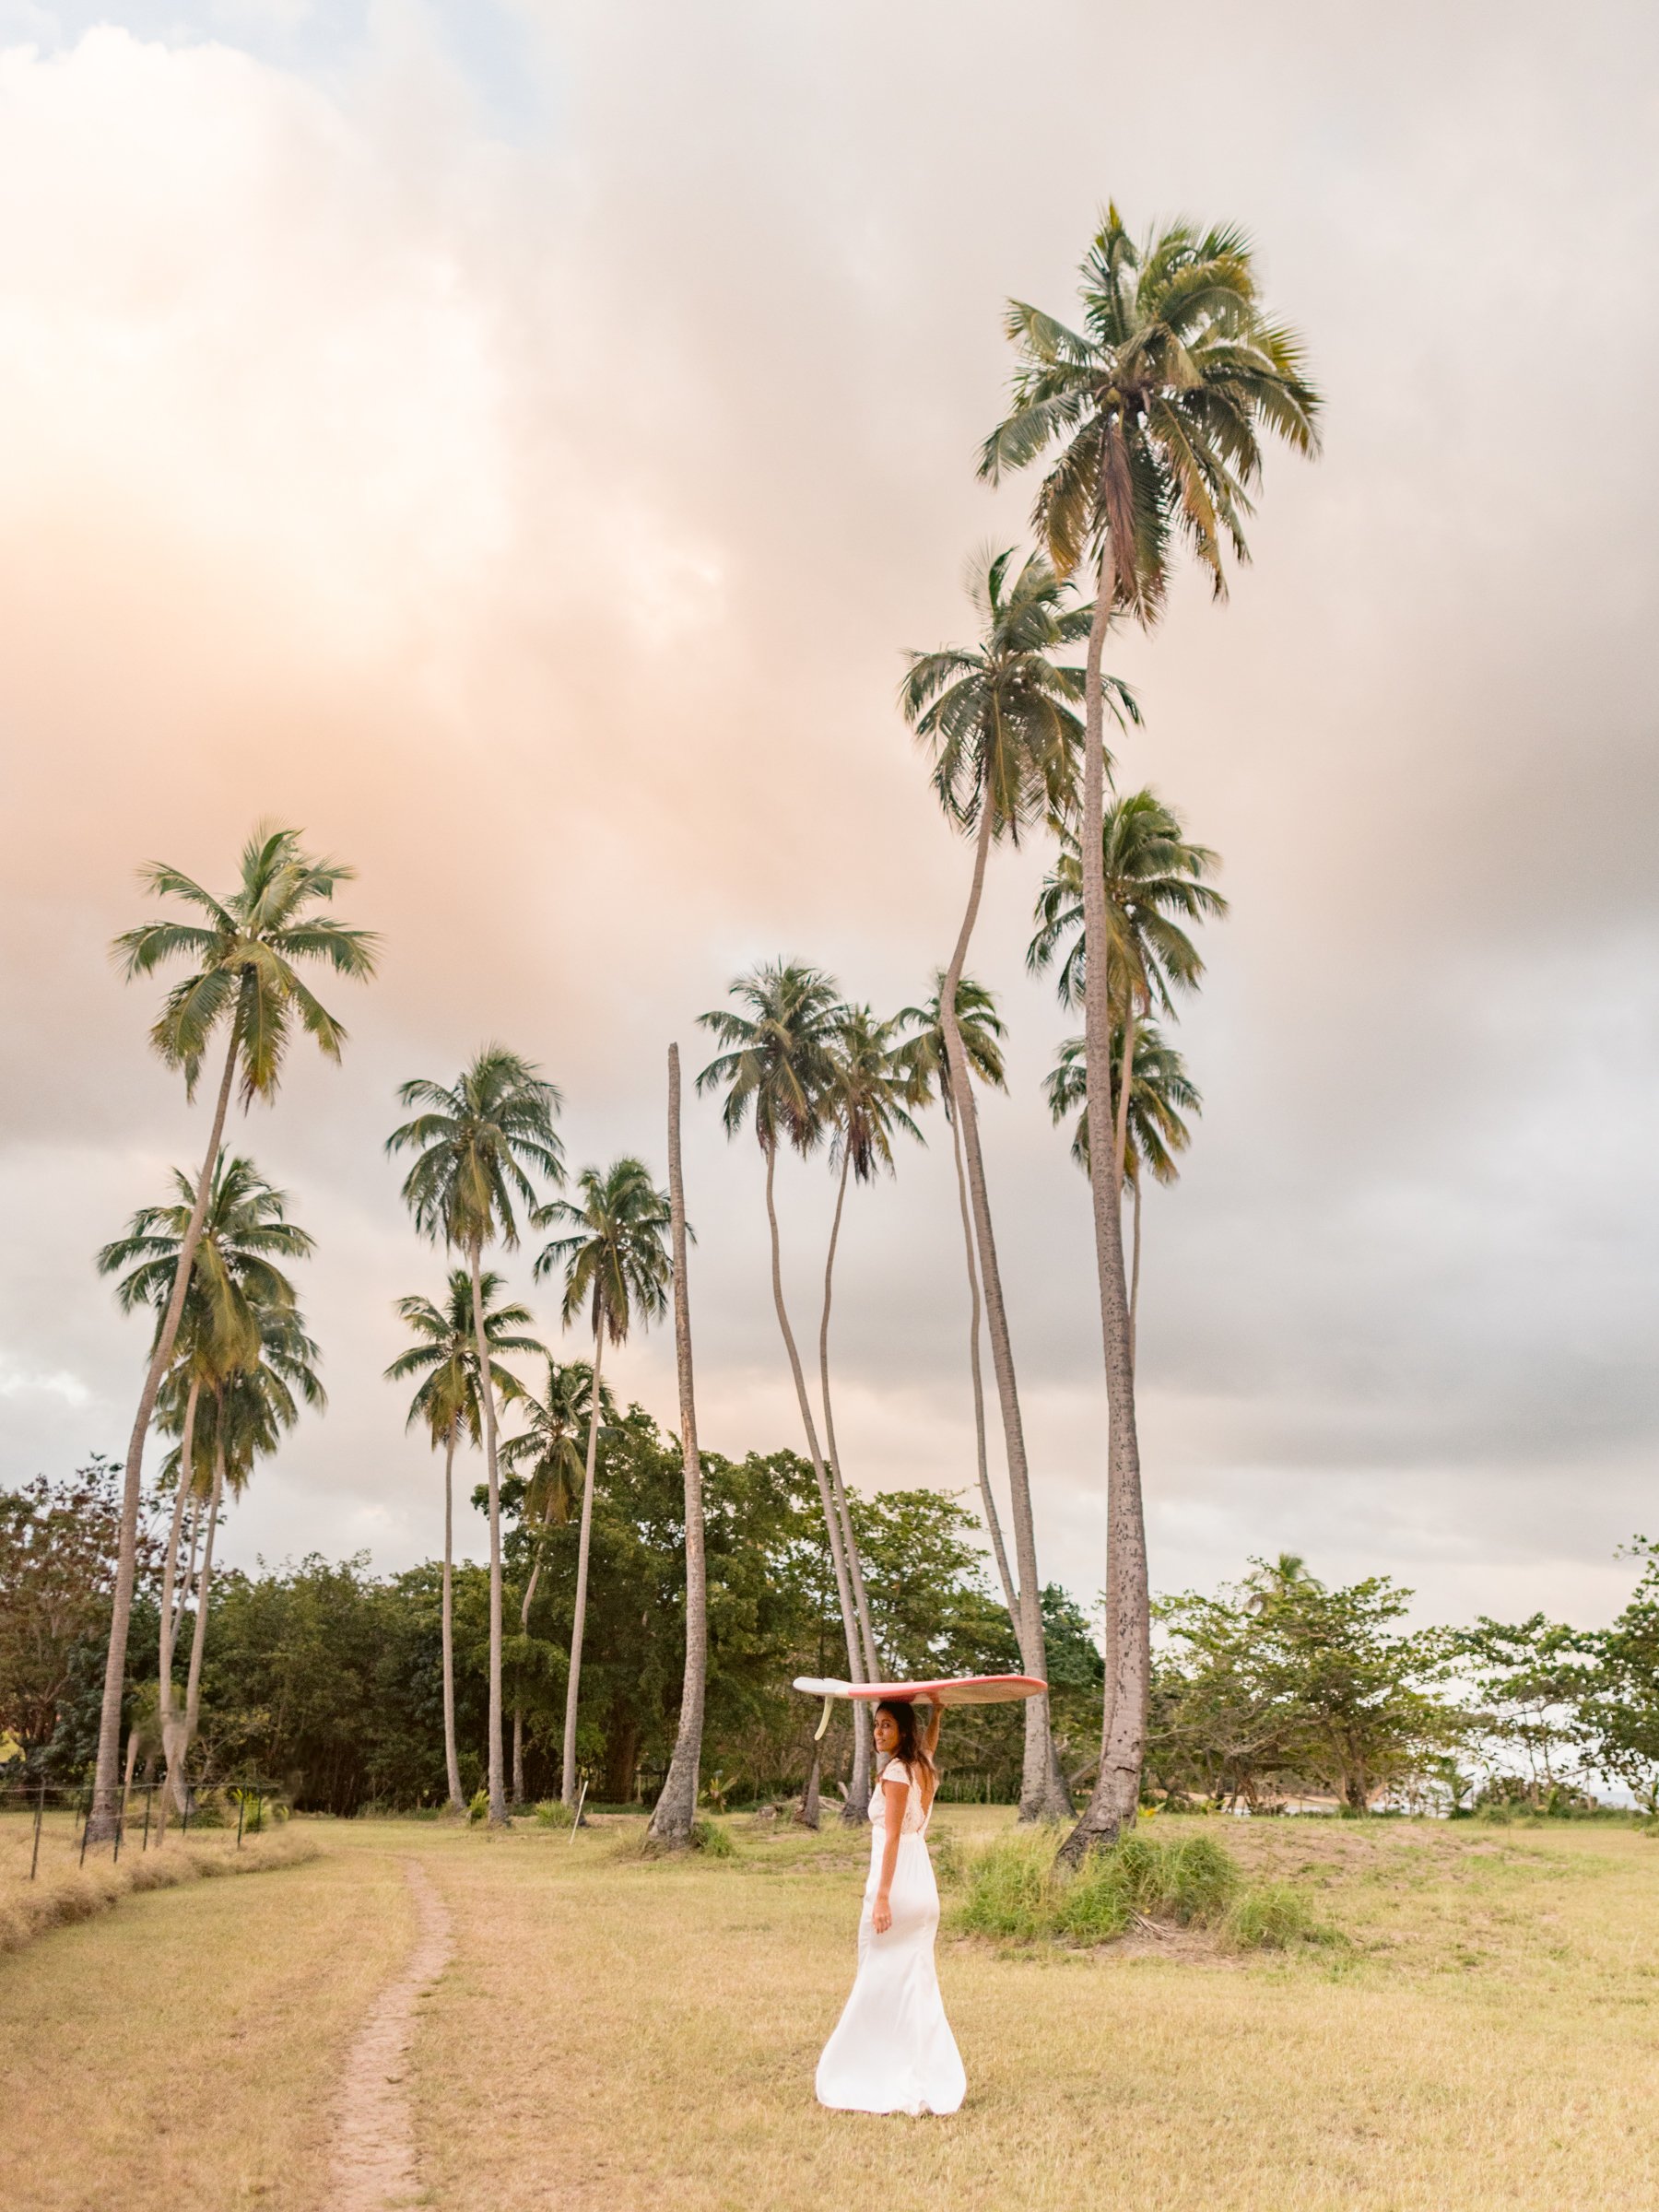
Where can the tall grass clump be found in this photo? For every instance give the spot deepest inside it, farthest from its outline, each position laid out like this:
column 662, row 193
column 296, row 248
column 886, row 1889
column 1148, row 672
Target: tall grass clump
column 1018, row 1891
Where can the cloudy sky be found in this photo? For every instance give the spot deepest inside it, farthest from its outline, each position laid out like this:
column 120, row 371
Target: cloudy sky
column 516, row 442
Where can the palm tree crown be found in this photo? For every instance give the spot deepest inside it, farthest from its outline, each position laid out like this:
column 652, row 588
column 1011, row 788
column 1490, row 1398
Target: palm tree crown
column 870, row 1082
column 445, row 1354
column 549, row 1450
column 1156, row 405
column 983, row 1030
column 478, row 1142
column 616, row 1260
column 1154, row 873
column 779, row 1059
column 1001, row 717
column 1161, row 1094
column 252, row 1407
column 245, row 959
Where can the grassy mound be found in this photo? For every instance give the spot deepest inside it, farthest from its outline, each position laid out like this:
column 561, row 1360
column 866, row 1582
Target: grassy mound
column 1017, row 1890
column 57, row 1903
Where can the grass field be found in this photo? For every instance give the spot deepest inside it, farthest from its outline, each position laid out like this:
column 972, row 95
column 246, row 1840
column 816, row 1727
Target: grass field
column 620, row 2032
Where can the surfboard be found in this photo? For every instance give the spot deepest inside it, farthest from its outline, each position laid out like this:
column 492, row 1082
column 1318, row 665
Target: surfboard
column 961, row 1689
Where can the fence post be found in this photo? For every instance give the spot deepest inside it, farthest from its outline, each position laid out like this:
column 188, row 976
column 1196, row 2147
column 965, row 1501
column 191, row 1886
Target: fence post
column 40, row 1814
column 241, row 1812
column 120, row 1826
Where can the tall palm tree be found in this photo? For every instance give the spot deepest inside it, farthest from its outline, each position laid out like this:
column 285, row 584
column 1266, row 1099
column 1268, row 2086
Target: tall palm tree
column 233, row 1281
column 676, row 1809
column 616, row 1261
column 869, row 1082
column 1000, row 719
column 1161, row 1094
column 478, row 1143
column 550, row 1454
column 1154, row 879
column 981, row 1030
column 1156, row 411
column 244, row 986
column 778, row 1064
column 445, row 1355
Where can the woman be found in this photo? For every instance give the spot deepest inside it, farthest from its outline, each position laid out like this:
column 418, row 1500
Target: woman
column 892, row 2050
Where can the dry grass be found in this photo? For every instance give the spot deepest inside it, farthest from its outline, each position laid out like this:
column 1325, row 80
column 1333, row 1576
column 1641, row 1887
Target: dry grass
column 66, row 1889
column 625, row 2032
column 181, row 2053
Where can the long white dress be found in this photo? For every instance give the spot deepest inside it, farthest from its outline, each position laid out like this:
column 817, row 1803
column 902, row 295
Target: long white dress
column 892, row 2050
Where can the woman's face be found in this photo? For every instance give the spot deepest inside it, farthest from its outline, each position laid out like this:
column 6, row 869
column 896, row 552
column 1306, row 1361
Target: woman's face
column 886, row 1734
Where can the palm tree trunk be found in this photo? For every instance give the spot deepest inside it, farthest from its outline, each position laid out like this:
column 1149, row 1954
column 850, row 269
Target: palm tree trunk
column 518, row 1714
column 993, row 1523
column 1134, row 1274
column 451, row 1761
column 518, row 1758
column 106, row 1778
column 198, row 1642
column 573, row 1683
column 173, row 1604
column 677, row 1807
column 498, row 1794
column 857, row 1806
column 860, row 1603
column 1041, row 1791
column 1128, row 1627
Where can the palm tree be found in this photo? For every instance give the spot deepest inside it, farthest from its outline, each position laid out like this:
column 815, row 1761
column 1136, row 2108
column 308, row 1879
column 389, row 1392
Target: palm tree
column 1154, row 882
column 1160, row 1095
column 981, row 1030
column 477, row 1143
column 1157, row 407
column 233, row 1283
column 780, row 1063
column 550, row 1454
column 615, row 1262
column 676, row 1809
column 245, row 985
column 445, row 1355
column 1000, row 719
column 870, row 1080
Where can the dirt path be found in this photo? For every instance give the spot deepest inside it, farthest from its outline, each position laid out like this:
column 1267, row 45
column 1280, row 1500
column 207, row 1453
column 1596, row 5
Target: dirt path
column 374, row 2131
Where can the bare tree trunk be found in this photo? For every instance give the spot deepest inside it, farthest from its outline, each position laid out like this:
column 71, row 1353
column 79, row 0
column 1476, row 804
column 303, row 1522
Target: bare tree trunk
column 198, row 1642
column 1128, row 1626
column 573, row 1684
column 809, row 1815
column 860, row 1603
column 172, row 1600
column 1010, row 1595
column 1134, row 1274
column 451, row 1761
column 676, row 1809
column 497, row 1794
column 102, row 1819
column 1041, row 1791
column 857, row 1806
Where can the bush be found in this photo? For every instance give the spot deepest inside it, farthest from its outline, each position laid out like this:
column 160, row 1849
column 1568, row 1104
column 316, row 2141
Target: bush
column 480, row 1808
column 552, row 1813
column 709, row 1838
column 1019, row 1891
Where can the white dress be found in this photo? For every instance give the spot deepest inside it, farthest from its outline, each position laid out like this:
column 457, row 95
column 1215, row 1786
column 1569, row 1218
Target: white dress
column 892, row 2050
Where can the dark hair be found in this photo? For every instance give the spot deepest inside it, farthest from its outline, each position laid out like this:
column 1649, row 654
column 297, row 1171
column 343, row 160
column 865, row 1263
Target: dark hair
column 903, row 1716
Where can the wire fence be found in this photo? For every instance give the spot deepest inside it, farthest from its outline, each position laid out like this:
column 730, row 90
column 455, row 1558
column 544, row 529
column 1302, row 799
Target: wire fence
column 60, row 1827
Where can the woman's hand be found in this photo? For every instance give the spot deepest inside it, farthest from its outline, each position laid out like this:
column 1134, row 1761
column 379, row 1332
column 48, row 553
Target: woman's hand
column 881, row 1914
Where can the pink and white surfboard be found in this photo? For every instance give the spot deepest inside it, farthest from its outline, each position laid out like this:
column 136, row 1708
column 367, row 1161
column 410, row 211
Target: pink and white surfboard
column 962, row 1689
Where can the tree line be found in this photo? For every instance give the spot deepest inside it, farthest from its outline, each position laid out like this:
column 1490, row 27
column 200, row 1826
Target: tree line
column 1146, row 424
column 328, row 1679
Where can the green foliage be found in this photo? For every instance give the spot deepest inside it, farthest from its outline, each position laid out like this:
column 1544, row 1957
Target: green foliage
column 478, row 1810
column 711, row 1840
column 1019, row 1891
column 552, row 1812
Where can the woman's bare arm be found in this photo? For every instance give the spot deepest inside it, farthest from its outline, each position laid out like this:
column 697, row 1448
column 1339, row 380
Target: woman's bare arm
column 895, row 1796
column 930, row 1742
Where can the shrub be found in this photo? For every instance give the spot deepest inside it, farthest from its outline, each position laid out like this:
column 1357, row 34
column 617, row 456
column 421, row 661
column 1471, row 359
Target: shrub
column 709, row 1838
column 480, row 1808
column 1019, row 1891
column 552, row 1813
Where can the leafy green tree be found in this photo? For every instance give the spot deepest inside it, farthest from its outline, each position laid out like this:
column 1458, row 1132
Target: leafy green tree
column 1618, row 1704
column 238, row 1298
column 1155, row 412
column 1160, row 1096
column 926, row 1060
column 869, row 1078
column 779, row 1066
column 1000, row 720
column 478, row 1143
column 615, row 1263
column 445, row 1355
column 245, row 986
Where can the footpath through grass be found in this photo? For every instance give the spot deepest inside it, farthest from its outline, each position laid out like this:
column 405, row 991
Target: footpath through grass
column 626, row 2033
